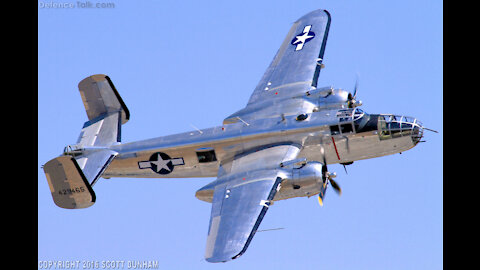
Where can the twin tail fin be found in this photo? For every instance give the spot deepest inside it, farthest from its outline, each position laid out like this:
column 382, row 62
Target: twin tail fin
column 71, row 176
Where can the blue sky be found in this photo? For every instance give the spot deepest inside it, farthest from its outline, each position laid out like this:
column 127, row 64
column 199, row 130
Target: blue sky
column 177, row 63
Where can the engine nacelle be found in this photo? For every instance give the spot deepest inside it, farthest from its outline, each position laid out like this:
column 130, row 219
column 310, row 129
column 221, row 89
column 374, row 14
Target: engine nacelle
column 298, row 182
column 325, row 98
column 303, row 181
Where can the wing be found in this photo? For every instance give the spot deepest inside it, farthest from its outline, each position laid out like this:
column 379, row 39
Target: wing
column 296, row 66
column 293, row 72
column 241, row 197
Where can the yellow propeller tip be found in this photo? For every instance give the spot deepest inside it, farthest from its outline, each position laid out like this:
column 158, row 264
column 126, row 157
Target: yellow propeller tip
column 320, row 201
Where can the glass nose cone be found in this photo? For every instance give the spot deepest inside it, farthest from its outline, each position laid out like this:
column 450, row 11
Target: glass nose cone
column 394, row 126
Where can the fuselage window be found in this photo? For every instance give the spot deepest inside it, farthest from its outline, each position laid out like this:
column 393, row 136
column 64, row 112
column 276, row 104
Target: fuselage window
column 206, row 156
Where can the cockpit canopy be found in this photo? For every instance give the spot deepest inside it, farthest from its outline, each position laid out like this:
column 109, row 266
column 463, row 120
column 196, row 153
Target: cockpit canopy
column 350, row 120
column 388, row 126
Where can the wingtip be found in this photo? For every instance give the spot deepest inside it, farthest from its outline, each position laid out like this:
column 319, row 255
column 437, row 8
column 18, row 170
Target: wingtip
column 314, row 13
column 225, row 257
column 218, row 260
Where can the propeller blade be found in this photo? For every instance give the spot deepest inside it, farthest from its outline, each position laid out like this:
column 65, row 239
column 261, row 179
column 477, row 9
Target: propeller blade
column 355, row 88
column 324, row 176
column 335, row 186
column 324, row 167
column 328, row 177
column 320, row 201
column 352, row 102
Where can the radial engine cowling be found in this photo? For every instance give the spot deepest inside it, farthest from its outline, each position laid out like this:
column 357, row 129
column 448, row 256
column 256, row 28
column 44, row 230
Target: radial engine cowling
column 301, row 181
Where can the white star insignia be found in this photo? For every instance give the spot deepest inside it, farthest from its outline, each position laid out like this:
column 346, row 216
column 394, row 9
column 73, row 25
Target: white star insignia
column 161, row 164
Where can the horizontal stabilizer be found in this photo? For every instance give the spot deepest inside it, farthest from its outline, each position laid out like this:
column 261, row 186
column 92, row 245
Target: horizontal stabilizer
column 94, row 163
column 68, row 185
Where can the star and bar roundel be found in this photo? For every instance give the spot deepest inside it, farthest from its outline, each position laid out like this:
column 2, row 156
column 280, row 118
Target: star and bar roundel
column 161, row 163
column 302, row 38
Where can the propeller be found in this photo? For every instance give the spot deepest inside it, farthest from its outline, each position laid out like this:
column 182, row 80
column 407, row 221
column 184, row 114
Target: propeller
column 327, row 177
column 352, row 102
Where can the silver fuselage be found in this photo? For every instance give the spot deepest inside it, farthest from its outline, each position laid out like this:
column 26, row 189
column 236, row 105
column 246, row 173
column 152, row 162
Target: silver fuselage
column 313, row 134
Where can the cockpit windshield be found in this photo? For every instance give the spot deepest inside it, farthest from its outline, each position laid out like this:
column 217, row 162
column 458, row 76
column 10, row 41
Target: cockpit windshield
column 362, row 121
column 350, row 120
column 358, row 113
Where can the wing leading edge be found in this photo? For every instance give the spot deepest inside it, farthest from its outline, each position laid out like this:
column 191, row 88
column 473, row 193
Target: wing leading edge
column 241, row 198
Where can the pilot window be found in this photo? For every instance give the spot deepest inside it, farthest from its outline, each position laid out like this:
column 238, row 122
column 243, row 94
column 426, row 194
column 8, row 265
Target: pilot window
column 206, row 156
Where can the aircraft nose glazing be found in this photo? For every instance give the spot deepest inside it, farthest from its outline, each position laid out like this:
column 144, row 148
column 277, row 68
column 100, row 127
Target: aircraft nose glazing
column 394, row 126
column 417, row 132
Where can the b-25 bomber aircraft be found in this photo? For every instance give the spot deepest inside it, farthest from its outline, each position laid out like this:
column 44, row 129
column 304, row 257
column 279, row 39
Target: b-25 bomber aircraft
column 277, row 147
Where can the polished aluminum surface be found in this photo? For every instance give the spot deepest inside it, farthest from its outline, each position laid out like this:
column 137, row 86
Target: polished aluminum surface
column 275, row 148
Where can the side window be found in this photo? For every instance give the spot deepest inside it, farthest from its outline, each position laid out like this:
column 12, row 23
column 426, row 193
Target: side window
column 206, row 156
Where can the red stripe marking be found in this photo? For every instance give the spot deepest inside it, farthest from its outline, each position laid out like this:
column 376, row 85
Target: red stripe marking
column 334, row 145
